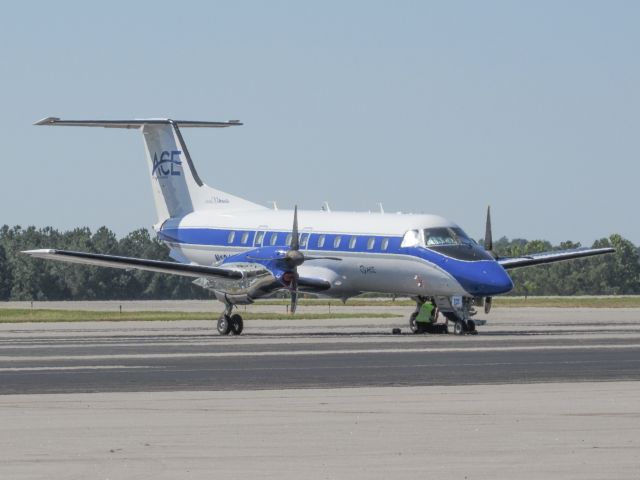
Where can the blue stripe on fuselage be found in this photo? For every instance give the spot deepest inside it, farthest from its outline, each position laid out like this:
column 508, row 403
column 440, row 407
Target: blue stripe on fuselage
column 479, row 278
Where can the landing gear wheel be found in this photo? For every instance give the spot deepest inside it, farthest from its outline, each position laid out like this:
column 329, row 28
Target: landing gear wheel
column 459, row 328
column 471, row 327
column 236, row 324
column 224, row 326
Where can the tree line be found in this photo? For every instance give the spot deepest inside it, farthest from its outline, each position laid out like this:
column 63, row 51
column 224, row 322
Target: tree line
column 612, row 274
column 25, row 278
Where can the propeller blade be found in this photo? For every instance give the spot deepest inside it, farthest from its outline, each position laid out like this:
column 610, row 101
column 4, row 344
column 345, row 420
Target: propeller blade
column 295, row 240
column 488, row 238
column 294, row 293
column 487, row 304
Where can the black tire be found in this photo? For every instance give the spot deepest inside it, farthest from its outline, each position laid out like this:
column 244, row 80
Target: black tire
column 224, row 327
column 236, row 323
column 471, row 325
column 459, row 328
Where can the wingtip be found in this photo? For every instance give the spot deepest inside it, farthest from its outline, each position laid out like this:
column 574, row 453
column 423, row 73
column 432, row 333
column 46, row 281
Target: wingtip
column 39, row 251
column 47, row 121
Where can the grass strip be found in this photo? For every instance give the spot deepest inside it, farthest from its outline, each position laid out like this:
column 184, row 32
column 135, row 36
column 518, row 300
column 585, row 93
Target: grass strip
column 50, row 315
column 569, row 302
column 623, row 301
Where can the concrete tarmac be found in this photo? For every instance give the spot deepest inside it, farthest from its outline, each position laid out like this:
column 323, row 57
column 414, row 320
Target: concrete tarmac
column 547, row 345
column 526, row 431
column 539, row 393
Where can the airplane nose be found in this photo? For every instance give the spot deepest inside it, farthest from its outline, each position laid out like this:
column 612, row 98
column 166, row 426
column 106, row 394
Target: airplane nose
column 484, row 279
column 494, row 280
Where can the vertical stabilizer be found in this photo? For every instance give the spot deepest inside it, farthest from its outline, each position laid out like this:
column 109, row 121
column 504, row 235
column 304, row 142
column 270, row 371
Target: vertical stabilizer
column 177, row 188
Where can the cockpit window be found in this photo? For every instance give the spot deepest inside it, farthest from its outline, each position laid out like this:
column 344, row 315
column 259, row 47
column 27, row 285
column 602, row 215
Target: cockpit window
column 446, row 236
column 454, row 243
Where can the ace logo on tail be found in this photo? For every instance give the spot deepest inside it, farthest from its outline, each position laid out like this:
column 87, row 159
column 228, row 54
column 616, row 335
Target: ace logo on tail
column 169, row 163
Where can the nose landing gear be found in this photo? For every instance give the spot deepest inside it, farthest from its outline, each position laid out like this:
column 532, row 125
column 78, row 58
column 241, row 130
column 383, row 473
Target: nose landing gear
column 461, row 327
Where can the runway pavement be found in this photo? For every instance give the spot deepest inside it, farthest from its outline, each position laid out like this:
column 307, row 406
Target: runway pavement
column 539, row 393
column 548, row 345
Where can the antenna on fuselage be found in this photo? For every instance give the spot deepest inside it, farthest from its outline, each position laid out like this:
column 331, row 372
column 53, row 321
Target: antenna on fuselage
column 325, row 207
column 274, row 204
column 381, row 207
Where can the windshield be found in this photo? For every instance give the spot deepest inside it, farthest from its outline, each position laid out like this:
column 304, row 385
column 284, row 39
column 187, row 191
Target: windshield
column 446, row 236
column 454, row 243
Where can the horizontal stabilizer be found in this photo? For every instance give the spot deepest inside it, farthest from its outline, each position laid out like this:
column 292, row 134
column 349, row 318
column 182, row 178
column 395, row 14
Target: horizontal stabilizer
column 136, row 123
column 550, row 257
column 135, row 263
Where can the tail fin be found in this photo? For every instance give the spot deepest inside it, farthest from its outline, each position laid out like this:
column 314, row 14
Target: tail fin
column 177, row 188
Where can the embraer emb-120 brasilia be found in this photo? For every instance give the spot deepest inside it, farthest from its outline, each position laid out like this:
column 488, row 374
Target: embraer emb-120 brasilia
column 243, row 251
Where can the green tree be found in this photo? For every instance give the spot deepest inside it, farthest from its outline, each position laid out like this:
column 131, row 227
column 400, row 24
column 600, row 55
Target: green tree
column 5, row 276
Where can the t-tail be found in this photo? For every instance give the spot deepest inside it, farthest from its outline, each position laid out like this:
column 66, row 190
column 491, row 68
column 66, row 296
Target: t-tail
column 177, row 188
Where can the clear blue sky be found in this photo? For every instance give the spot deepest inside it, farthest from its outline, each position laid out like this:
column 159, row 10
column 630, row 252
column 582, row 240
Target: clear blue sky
column 441, row 107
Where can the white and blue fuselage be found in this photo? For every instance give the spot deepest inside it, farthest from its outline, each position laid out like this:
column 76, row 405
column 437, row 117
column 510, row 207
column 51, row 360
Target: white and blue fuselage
column 384, row 253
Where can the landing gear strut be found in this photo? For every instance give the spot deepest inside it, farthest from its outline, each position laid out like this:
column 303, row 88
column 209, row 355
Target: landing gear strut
column 228, row 323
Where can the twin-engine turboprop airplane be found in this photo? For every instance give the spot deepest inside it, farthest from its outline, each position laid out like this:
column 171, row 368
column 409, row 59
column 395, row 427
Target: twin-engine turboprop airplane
column 243, row 251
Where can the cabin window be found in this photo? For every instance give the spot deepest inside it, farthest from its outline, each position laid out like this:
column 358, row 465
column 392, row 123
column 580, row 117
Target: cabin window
column 336, row 241
column 321, row 239
column 259, row 237
column 245, row 237
column 304, row 238
column 410, row 239
column 371, row 243
column 352, row 242
column 385, row 244
column 231, row 238
column 288, row 240
column 274, row 238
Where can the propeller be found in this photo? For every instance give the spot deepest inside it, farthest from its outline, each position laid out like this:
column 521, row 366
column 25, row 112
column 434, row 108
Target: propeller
column 294, row 258
column 291, row 259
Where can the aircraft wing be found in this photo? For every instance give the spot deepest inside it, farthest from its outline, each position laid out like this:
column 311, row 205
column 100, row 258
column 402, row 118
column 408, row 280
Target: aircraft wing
column 114, row 261
column 189, row 270
column 550, row 257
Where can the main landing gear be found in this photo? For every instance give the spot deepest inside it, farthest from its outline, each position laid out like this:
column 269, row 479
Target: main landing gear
column 230, row 323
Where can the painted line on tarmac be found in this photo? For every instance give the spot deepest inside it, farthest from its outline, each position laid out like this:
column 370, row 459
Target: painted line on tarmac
column 76, row 367
column 298, row 353
column 355, row 338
